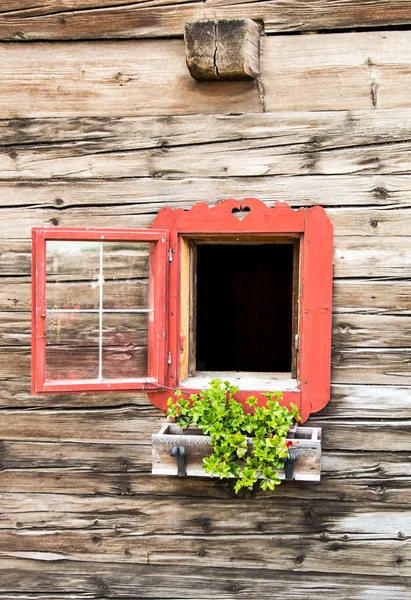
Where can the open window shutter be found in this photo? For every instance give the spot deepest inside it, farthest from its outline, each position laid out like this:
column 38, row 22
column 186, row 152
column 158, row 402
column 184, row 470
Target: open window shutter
column 99, row 309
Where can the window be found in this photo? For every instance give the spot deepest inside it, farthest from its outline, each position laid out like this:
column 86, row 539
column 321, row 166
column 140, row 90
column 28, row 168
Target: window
column 237, row 248
column 239, row 291
column 98, row 309
column 243, row 310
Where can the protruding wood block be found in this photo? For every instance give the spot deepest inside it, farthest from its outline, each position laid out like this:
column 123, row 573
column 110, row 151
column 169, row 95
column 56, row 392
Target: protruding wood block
column 223, row 49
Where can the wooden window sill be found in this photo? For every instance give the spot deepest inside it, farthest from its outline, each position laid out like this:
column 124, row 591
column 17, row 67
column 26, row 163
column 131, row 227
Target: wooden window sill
column 244, row 380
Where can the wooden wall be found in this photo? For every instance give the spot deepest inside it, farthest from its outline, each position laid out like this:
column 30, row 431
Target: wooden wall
column 103, row 131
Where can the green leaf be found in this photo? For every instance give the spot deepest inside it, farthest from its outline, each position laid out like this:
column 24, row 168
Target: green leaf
column 219, row 415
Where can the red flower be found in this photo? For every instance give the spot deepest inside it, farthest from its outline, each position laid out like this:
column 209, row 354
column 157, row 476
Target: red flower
column 288, row 444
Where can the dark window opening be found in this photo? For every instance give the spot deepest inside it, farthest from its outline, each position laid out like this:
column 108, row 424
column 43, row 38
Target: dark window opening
column 245, row 313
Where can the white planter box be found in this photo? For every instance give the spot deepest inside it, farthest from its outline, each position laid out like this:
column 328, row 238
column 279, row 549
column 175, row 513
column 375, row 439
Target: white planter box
column 306, row 445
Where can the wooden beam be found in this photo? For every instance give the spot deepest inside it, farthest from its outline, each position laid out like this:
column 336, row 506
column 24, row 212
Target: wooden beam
column 222, row 49
column 129, row 78
column 198, row 146
column 105, row 19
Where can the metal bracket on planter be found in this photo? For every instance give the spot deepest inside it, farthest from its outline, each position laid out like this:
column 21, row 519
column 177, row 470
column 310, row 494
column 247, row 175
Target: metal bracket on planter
column 180, row 453
column 289, row 465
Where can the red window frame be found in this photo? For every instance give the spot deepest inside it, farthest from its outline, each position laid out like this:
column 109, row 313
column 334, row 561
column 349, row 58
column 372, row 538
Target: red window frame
column 157, row 326
column 165, row 343
column 315, row 231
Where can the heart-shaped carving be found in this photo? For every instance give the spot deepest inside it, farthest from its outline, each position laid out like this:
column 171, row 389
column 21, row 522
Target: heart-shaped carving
column 241, row 212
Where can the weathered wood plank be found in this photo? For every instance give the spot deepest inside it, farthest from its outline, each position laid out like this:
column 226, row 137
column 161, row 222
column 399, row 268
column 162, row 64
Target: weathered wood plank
column 307, row 69
column 327, row 130
column 130, row 78
column 145, row 195
column 377, row 366
column 223, row 146
column 121, row 458
column 372, row 296
column 80, row 19
column 144, row 133
column 152, row 581
column 311, row 553
column 112, row 426
column 358, row 256
column 142, row 515
column 112, row 79
column 363, row 435
column 114, row 485
column 368, row 401
column 372, row 331
column 15, row 393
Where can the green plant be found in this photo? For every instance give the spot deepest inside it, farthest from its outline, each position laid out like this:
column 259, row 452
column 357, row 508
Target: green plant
column 218, row 415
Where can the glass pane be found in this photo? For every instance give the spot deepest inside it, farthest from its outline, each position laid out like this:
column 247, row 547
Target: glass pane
column 125, row 346
column 72, row 274
column 72, row 346
column 125, row 272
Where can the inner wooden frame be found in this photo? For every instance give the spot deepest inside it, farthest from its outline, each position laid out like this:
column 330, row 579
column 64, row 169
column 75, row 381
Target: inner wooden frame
column 189, row 375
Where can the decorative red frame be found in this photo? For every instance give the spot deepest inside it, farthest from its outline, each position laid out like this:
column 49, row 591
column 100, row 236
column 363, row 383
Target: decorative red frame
column 157, row 328
column 315, row 303
column 311, row 225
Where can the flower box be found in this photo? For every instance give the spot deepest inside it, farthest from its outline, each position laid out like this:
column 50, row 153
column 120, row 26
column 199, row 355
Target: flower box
column 306, row 446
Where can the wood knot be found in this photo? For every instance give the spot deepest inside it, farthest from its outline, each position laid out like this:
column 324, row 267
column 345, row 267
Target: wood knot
column 380, row 193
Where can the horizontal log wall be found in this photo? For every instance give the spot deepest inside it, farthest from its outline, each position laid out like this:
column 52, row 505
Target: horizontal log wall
column 105, row 133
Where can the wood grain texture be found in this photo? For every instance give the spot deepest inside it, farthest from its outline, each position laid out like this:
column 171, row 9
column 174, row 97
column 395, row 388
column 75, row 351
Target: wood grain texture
column 325, row 72
column 331, row 555
column 112, row 79
column 257, row 145
column 109, row 144
column 389, row 490
column 146, row 581
column 148, row 195
column 96, row 19
column 227, row 49
column 379, row 367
